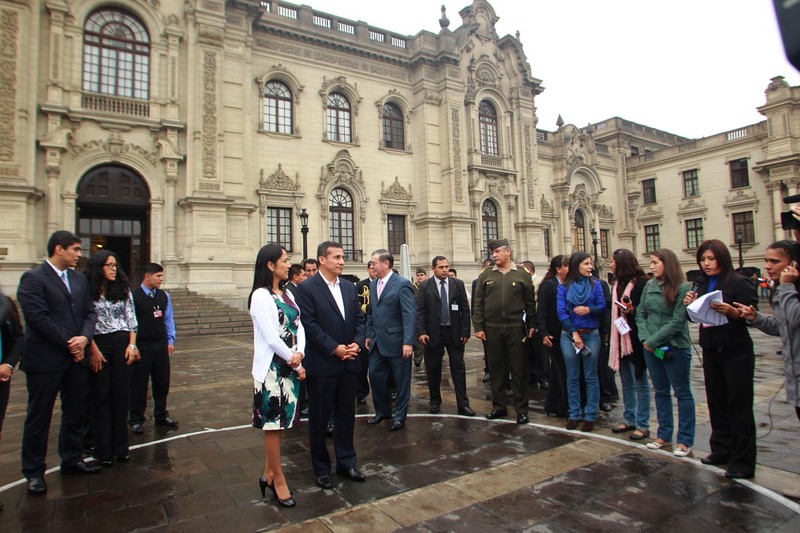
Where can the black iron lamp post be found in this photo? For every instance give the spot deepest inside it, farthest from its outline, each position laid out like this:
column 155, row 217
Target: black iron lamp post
column 596, row 269
column 304, row 231
column 739, row 239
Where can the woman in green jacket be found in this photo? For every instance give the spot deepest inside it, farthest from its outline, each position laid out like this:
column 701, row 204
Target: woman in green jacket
column 664, row 332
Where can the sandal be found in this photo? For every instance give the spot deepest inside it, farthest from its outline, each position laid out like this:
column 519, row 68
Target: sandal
column 639, row 434
column 622, row 428
column 681, row 451
column 658, row 444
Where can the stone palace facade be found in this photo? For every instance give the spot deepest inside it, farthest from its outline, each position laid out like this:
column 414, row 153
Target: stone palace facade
column 192, row 132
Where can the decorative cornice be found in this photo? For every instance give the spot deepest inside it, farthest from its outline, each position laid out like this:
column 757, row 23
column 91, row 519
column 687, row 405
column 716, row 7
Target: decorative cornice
column 396, row 191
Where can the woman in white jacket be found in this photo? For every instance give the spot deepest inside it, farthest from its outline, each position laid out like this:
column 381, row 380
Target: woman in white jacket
column 279, row 342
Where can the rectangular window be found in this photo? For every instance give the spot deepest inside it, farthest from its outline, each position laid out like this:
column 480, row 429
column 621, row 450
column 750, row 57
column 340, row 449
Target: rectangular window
column 397, row 233
column 743, row 223
column 634, row 151
column 279, row 226
column 604, row 243
column 691, row 185
column 547, row 243
column 649, row 191
column 694, row 233
column 652, row 238
column 739, row 175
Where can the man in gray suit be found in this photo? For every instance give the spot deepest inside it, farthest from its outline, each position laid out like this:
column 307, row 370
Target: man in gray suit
column 391, row 321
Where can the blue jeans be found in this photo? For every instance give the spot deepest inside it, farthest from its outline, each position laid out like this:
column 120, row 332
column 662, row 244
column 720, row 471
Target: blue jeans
column 573, row 361
column 635, row 395
column 673, row 373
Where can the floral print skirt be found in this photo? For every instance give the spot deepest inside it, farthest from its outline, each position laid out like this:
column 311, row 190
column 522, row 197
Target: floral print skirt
column 275, row 400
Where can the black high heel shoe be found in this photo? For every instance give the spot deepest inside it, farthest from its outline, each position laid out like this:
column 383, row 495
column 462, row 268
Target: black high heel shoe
column 262, row 484
column 288, row 502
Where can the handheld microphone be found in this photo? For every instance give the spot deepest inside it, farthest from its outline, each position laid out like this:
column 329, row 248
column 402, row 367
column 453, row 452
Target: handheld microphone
column 698, row 283
column 792, row 199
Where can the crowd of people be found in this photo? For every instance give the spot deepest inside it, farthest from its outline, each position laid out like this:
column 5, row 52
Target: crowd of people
column 323, row 344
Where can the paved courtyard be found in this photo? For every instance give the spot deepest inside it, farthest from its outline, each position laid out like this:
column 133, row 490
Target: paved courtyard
column 442, row 473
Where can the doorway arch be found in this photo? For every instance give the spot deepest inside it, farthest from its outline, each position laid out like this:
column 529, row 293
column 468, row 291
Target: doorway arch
column 113, row 213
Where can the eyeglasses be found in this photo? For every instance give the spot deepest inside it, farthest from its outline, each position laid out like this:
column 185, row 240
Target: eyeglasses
column 112, row 266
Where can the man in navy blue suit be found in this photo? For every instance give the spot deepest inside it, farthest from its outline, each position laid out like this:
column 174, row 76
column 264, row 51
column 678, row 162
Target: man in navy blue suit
column 391, row 324
column 59, row 324
column 334, row 325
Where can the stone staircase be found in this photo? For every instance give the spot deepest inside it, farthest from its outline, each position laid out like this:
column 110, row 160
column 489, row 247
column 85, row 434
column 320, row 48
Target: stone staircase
column 198, row 315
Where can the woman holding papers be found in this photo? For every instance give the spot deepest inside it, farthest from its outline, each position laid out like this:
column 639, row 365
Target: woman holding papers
column 728, row 362
column 780, row 263
column 664, row 332
column 626, row 355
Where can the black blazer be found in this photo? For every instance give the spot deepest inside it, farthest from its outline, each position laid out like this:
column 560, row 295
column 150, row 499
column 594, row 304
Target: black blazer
column 734, row 335
column 53, row 316
column 429, row 311
column 11, row 329
column 325, row 328
column 547, row 322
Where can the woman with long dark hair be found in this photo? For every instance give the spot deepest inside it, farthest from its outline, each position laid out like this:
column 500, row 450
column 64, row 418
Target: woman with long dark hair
column 728, row 363
column 279, row 342
column 548, row 328
column 664, row 332
column 112, row 352
column 626, row 355
column 780, row 263
column 581, row 305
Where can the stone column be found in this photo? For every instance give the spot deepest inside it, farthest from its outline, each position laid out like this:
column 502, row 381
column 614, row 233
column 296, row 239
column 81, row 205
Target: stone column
column 777, row 207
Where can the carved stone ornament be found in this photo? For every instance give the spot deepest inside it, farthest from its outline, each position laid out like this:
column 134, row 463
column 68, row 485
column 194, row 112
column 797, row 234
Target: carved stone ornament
column 114, row 146
column 278, row 180
column 432, row 97
column 396, row 191
column 546, row 208
column 579, row 149
column 342, row 170
column 605, row 211
column 9, row 34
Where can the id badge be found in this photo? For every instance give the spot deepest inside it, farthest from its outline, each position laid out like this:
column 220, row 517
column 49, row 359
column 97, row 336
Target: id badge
column 157, row 313
column 454, row 307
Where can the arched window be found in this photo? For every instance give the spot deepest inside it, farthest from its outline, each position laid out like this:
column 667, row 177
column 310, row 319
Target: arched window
column 489, row 224
column 116, row 55
column 340, row 220
column 277, row 107
column 579, row 232
column 393, row 135
column 488, row 119
column 338, row 118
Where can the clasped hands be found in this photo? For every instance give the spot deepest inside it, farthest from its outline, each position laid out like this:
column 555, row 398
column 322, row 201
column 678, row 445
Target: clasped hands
column 347, row 352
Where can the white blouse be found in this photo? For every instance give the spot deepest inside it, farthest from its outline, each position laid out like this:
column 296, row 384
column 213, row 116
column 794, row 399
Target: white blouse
column 266, row 333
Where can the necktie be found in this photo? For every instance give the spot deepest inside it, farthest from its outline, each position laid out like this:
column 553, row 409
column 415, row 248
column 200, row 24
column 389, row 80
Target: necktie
column 65, row 279
column 445, row 307
column 380, row 288
column 153, row 293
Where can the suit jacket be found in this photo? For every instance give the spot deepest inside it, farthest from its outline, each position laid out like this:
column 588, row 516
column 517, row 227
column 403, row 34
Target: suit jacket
column 53, row 315
column 11, row 329
column 391, row 319
column 325, row 327
column 429, row 311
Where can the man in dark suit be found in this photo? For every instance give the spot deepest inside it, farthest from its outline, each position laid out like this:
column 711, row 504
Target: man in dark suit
column 60, row 319
column 296, row 276
column 443, row 320
column 391, row 323
column 362, row 290
column 334, row 325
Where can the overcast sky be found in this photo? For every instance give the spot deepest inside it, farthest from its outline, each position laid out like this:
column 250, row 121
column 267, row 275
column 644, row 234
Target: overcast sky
column 690, row 67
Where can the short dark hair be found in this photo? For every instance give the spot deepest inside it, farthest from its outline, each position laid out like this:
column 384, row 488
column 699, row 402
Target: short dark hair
column 529, row 266
column 62, row 238
column 453, row 270
column 152, row 268
column 322, row 249
column 487, row 263
column 437, row 259
column 295, row 269
column 310, row 261
column 384, row 255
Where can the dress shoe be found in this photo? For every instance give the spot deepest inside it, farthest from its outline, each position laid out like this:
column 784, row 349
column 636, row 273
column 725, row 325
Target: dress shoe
column 486, row 377
column 435, row 408
column 544, row 383
column 622, row 428
column 605, row 407
column 324, row 482
column 739, row 475
column 466, row 411
column 107, row 463
column 167, row 422
column 377, row 419
column 522, row 419
column 586, row 426
column 497, row 413
column 123, row 458
column 572, row 424
column 639, row 434
column 351, row 473
column 361, row 400
column 79, row 469
column 397, row 425
column 36, row 485
column 304, row 412
column 714, row 460
column 137, row 429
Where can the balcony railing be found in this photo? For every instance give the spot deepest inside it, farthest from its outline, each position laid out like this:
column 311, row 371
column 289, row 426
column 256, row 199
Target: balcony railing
column 115, row 105
column 491, row 160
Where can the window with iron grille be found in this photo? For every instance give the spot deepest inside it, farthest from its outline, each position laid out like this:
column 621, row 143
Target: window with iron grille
column 340, row 219
column 694, row 232
column 397, row 233
column 743, row 222
column 652, row 238
column 488, row 119
column 604, row 243
column 489, row 224
column 277, row 107
column 279, row 226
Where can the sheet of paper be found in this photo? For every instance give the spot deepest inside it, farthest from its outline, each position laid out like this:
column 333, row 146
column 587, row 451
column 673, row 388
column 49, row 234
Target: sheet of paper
column 622, row 325
column 700, row 310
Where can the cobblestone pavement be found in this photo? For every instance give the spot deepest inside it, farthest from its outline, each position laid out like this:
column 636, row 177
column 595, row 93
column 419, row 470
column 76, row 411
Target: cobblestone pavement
column 441, row 473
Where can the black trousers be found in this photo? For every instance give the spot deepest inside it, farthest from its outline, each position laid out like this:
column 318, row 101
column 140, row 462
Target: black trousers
column 434, row 355
column 729, row 390
column 505, row 353
column 555, row 402
column 155, row 363
column 325, row 394
column 110, row 392
column 43, row 387
column 362, row 388
column 538, row 360
column 5, row 392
